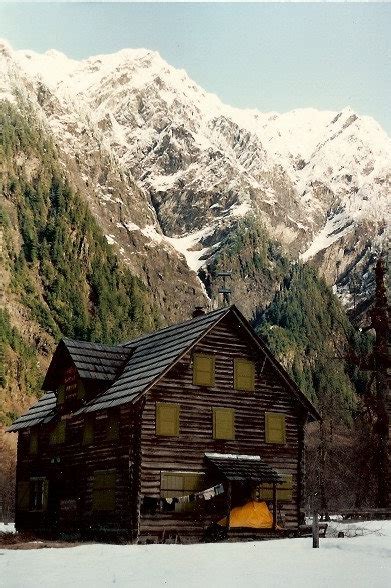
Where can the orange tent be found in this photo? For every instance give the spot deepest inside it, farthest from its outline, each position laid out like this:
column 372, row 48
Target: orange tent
column 254, row 515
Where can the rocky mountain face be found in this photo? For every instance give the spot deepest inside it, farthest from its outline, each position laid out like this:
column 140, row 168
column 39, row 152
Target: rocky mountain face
column 169, row 170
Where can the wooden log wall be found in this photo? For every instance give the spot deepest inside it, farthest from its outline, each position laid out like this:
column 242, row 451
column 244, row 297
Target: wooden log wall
column 69, row 468
column 186, row 452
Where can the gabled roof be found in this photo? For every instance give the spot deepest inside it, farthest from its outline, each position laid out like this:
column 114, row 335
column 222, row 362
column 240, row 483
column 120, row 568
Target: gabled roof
column 41, row 412
column 92, row 361
column 135, row 366
column 152, row 356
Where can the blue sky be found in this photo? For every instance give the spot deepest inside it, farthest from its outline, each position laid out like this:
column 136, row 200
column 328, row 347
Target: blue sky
column 268, row 56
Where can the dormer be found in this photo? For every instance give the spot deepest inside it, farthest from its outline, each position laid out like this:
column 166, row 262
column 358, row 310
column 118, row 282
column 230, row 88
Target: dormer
column 80, row 371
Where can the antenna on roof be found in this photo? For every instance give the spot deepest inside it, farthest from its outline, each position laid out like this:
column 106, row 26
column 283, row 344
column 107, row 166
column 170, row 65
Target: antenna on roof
column 224, row 290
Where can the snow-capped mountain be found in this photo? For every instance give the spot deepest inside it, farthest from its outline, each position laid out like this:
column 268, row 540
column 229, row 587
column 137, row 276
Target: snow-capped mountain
column 168, row 167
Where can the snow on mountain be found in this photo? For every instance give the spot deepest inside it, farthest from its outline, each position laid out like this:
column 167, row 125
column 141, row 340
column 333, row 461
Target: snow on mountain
column 191, row 165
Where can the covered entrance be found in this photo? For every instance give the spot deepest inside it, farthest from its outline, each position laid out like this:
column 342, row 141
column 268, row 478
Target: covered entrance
column 242, row 474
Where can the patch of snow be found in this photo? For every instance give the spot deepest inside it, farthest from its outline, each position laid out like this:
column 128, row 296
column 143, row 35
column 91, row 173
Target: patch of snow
column 10, row 528
column 110, row 239
column 357, row 562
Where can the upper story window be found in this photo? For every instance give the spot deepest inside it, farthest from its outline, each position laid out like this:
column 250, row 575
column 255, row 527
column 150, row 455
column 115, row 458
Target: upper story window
column 203, row 369
column 113, row 422
column 275, row 428
column 61, row 394
column 88, row 430
column 33, row 442
column 223, row 423
column 244, row 374
column 57, row 435
column 167, row 419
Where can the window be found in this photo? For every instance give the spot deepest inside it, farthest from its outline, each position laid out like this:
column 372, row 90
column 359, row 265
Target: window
column 23, row 495
column 174, row 484
column 244, row 375
column 88, row 430
column 38, row 494
column 223, row 423
column 203, row 370
column 81, row 391
column 103, row 490
column 57, row 435
column 167, row 419
column 61, row 394
column 284, row 490
column 275, row 427
column 113, row 425
column 34, row 442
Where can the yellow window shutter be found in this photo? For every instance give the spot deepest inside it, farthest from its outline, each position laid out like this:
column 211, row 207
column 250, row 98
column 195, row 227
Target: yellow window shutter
column 284, row 490
column 223, row 423
column 81, row 391
column 167, row 419
column 88, row 431
column 203, row 370
column 244, row 374
column 103, row 490
column 275, row 427
column 61, row 431
column 23, row 495
column 172, row 484
column 34, row 442
column 57, row 434
column 61, row 394
column 113, row 426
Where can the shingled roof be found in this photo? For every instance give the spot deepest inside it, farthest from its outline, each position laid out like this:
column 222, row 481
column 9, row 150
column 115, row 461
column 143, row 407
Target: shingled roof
column 244, row 467
column 93, row 361
column 41, row 412
column 152, row 356
column 133, row 367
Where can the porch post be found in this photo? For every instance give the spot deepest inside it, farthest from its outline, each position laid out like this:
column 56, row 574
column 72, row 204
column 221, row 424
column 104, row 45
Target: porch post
column 274, row 506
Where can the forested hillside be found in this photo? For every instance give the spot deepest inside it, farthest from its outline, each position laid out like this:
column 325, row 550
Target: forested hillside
column 59, row 275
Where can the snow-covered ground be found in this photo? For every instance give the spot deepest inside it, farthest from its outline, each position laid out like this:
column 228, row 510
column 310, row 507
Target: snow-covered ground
column 10, row 528
column 359, row 561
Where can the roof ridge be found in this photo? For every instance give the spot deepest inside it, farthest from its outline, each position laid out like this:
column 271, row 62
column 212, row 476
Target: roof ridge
column 175, row 325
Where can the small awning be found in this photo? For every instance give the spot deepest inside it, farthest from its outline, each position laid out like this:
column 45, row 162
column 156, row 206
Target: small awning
column 244, row 467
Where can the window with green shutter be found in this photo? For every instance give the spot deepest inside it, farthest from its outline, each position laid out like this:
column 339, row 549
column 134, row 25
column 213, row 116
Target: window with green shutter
column 223, row 423
column 113, row 421
column 284, row 490
column 38, row 494
column 203, row 370
column 34, row 442
column 57, row 435
column 88, row 430
column 275, row 427
column 244, row 374
column 167, row 419
column 23, row 495
column 81, row 391
column 175, row 484
column 61, row 394
column 103, row 490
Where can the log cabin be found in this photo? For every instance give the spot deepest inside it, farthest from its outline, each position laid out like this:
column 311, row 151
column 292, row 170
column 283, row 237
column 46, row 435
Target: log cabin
column 162, row 437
